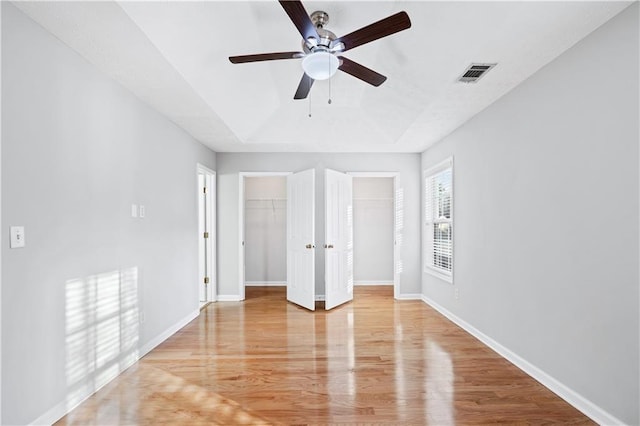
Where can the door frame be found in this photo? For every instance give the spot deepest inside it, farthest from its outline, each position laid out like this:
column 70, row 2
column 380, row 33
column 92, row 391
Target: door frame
column 241, row 207
column 210, row 206
column 397, row 231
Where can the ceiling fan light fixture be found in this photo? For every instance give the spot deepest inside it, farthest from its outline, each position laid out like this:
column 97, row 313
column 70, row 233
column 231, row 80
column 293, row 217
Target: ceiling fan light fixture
column 320, row 65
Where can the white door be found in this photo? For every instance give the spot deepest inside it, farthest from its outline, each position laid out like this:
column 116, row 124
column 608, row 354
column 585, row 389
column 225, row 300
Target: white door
column 206, row 234
column 202, row 241
column 301, row 239
column 338, row 238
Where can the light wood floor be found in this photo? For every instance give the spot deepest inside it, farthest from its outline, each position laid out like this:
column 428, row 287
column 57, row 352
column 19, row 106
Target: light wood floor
column 375, row 360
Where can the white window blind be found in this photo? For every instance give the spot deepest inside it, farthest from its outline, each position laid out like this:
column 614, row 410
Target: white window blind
column 439, row 219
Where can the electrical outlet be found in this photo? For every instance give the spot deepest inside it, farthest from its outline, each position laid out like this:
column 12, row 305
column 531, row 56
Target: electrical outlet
column 141, row 211
column 456, row 294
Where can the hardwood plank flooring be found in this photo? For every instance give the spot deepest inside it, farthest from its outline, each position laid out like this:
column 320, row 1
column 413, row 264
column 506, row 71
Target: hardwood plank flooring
column 375, row 360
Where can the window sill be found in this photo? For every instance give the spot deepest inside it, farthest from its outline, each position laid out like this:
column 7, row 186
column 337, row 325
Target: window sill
column 436, row 273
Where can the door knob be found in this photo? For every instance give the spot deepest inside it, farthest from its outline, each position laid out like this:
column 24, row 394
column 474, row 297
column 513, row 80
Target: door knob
column 330, row 246
column 309, row 246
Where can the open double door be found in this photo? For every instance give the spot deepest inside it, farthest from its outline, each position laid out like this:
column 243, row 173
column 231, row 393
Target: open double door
column 301, row 247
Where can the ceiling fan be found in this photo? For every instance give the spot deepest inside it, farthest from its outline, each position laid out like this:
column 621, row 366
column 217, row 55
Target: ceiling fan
column 322, row 50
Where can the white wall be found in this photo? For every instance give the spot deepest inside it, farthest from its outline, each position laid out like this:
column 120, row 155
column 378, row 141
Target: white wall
column 78, row 150
column 373, row 222
column 1, row 245
column 265, row 219
column 546, row 221
column 230, row 164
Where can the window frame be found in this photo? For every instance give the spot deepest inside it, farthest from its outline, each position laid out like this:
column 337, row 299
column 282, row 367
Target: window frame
column 428, row 249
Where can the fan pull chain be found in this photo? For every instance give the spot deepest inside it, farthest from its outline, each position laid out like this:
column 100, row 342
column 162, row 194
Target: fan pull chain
column 309, row 97
column 329, row 102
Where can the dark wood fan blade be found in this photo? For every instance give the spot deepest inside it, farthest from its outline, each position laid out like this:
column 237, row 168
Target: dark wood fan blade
column 300, row 18
column 265, row 57
column 385, row 27
column 361, row 72
column 304, row 87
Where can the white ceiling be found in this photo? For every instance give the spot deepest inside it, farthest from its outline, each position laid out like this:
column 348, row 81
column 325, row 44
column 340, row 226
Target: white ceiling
column 174, row 56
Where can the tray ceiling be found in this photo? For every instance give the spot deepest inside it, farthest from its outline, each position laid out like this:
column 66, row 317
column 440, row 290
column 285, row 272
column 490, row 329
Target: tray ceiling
column 173, row 56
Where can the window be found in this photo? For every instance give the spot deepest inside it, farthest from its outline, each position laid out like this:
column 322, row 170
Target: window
column 438, row 253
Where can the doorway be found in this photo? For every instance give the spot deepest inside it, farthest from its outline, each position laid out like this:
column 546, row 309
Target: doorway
column 383, row 216
column 299, row 223
column 265, row 229
column 378, row 214
column 207, row 283
column 263, row 226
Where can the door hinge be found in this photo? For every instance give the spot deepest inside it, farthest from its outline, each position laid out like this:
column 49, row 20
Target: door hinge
column 204, row 189
column 206, row 280
column 206, row 235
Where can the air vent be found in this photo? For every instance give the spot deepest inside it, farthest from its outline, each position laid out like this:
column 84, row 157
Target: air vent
column 474, row 72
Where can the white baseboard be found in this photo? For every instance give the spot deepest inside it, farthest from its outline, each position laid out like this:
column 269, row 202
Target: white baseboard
column 168, row 333
column 409, row 296
column 61, row 409
column 265, row 283
column 582, row 404
column 229, row 298
column 363, row 282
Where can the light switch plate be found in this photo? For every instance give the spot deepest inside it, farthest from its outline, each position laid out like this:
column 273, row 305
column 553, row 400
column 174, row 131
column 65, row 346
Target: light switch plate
column 17, row 237
column 142, row 211
column 134, row 210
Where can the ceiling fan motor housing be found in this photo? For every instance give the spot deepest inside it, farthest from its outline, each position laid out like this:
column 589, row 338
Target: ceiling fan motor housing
column 319, row 19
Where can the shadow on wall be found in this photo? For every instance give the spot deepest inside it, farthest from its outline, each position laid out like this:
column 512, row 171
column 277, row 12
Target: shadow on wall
column 102, row 330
